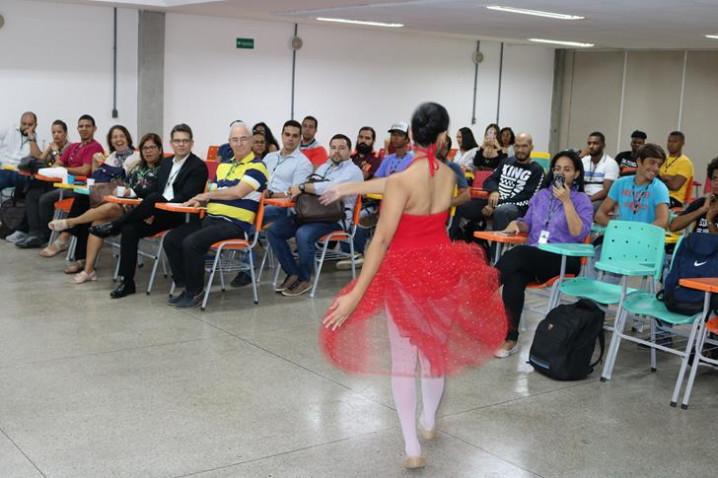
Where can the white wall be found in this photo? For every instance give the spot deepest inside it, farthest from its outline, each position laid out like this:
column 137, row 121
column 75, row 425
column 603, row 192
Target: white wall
column 346, row 77
column 56, row 60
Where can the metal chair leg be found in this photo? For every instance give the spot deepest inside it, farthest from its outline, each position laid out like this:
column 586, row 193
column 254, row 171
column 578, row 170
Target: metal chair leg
column 684, row 361
column 211, row 278
column 653, row 341
column 254, row 277
column 318, row 267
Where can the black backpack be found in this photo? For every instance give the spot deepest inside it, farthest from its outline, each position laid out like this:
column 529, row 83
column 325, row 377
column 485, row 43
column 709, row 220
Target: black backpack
column 12, row 213
column 565, row 340
column 695, row 257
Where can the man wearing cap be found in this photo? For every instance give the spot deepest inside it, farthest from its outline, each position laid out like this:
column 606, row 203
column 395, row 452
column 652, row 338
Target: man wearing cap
column 627, row 159
column 402, row 157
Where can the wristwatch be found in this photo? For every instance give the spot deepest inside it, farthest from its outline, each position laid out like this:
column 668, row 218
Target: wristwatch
column 301, row 187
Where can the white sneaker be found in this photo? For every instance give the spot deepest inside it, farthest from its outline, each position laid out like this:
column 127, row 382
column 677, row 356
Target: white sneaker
column 346, row 264
column 503, row 352
column 16, row 236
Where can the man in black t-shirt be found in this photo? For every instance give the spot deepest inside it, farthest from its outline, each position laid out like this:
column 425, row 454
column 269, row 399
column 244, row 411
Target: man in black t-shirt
column 703, row 211
column 627, row 159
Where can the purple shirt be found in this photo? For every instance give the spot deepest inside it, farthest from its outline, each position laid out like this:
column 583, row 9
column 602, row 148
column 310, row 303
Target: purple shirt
column 546, row 213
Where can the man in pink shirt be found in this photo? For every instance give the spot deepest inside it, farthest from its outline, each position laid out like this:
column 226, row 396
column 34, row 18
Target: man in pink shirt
column 77, row 158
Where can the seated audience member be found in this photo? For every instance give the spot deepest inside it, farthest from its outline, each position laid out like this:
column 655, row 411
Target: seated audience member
column 402, row 156
column 224, row 152
column 272, row 144
column 259, row 147
column 77, row 159
column 512, row 185
column 286, row 167
column 181, row 178
column 677, row 170
column 18, row 142
column 703, row 212
column 113, row 168
column 339, row 169
column 642, row 197
column 489, row 154
column 599, row 168
column 311, row 148
column 463, row 191
column 507, row 138
column 365, row 158
column 35, row 189
column 468, row 148
column 559, row 213
column 141, row 180
column 627, row 159
column 231, row 210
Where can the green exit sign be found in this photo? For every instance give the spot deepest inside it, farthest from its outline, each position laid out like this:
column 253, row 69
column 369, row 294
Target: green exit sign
column 245, row 43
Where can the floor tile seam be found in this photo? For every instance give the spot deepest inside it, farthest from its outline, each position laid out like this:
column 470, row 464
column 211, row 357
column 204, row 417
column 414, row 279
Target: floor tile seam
column 285, row 359
column 287, row 452
column 517, row 399
column 107, row 352
column 498, row 457
column 17, row 447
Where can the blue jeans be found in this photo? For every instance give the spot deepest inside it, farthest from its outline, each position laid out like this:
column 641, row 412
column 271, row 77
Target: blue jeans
column 10, row 179
column 307, row 235
column 272, row 213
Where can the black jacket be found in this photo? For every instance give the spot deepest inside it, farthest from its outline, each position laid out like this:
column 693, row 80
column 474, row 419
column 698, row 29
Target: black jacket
column 190, row 181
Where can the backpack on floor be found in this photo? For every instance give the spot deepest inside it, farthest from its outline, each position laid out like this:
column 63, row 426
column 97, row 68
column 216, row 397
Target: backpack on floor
column 12, row 212
column 565, row 340
column 696, row 257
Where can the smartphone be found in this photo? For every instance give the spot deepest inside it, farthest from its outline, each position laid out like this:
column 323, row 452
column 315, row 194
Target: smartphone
column 559, row 181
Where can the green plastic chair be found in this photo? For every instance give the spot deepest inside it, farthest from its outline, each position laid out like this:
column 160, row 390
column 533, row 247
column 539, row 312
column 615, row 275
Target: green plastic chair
column 543, row 162
column 630, row 249
column 644, row 303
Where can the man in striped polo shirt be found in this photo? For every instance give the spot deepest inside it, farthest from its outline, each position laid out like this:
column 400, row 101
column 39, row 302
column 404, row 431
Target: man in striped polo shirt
column 231, row 210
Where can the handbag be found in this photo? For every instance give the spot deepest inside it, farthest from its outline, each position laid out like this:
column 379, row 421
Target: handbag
column 308, row 209
column 98, row 191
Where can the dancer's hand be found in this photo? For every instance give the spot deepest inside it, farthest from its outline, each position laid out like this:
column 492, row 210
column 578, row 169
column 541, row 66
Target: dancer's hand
column 340, row 310
column 331, row 195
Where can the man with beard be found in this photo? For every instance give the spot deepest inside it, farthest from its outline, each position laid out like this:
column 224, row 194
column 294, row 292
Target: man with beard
column 365, row 158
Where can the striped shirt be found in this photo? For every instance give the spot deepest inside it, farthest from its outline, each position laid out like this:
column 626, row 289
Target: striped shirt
column 242, row 211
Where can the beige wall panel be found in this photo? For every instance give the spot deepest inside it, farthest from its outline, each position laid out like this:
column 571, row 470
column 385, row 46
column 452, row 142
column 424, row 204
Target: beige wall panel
column 700, row 109
column 652, row 95
column 595, row 97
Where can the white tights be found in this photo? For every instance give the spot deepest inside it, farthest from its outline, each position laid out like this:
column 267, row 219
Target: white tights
column 403, row 386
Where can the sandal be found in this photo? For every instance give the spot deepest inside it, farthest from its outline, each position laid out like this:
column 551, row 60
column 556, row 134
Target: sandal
column 83, row 276
column 58, row 225
column 54, row 249
column 75, row 267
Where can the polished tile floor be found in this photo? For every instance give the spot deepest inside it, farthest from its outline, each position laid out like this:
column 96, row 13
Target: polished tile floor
column 91, row 387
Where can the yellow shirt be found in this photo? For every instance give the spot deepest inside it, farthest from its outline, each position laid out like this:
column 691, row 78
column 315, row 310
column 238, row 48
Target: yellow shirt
column 678, row 166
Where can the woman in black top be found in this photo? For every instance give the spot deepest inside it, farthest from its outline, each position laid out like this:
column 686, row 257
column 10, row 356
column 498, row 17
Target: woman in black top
column 489, row 154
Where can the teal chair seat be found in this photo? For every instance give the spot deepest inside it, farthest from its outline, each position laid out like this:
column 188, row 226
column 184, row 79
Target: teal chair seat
column 569, row 250
column 645, row 303
column 597, row 291
column 626, row 268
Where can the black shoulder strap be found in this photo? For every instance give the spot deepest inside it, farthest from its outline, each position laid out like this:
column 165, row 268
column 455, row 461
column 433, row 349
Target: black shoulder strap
column 602, row 344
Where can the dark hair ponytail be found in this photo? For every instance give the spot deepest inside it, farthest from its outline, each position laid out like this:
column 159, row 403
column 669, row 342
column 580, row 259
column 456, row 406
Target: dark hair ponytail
column 428, row 121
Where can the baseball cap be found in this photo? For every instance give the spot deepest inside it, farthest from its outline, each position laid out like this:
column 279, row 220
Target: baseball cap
column 400, row 126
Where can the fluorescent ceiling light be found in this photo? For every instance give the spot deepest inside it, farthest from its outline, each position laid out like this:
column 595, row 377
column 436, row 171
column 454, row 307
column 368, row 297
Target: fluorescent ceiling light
column 360, row 22
column 559, row 42
column 712, row 37
column 536, row 13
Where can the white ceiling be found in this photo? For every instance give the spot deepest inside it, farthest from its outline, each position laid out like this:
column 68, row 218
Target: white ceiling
column 644, row 24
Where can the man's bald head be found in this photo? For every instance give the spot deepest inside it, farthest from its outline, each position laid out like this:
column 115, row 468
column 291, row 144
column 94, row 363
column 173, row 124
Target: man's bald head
column 523, row 146
column 240, row 139
column 28, row 122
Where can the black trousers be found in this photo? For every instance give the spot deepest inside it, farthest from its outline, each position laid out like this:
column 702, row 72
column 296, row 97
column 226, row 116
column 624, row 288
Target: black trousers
column 187, row 245
column 134, row 228
column 80, row 205
column 40, row 206
column 521, row 266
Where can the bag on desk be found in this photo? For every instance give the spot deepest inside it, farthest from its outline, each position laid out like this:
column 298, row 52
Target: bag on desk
column 98, row 191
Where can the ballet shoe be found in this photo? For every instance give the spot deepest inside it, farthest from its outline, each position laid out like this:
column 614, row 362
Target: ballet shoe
column 414, row 462
column 427, row 434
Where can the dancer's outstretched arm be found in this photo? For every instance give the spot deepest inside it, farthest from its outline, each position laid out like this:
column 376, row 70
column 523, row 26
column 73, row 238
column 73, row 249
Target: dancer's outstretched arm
column 335, row 193
column 396, row 195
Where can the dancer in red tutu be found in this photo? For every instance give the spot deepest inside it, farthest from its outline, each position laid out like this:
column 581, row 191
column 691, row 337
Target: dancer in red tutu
column 419, row 296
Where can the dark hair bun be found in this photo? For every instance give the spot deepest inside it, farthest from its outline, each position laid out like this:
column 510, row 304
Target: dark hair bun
column 428, row 121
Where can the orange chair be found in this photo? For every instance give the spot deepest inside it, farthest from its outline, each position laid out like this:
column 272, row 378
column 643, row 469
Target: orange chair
column 211, row 169
column 480, row 177
column 337, row 236
column 233, row 263
column 212, row 153
column 62, row 209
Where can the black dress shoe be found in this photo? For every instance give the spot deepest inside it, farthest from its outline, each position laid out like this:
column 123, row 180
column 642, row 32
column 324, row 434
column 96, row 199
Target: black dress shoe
column 125, row 288
column 31, row 242
column 188, row 300
column 105, row 230
column 177, row 298
column 242, row 279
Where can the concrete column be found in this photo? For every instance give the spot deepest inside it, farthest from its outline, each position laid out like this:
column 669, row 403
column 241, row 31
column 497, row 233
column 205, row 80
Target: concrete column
column 151, row 73
column 558, row 100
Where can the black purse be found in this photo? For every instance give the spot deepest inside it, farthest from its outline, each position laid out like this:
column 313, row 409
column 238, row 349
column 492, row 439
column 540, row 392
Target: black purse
column 308, row 209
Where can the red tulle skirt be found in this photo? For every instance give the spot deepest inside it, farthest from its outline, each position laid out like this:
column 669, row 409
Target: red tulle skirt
column 441, row 295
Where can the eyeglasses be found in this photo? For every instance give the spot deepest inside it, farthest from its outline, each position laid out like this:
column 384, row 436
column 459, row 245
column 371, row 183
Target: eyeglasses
column 150, row 147
column 181, row 141
column 239, row 140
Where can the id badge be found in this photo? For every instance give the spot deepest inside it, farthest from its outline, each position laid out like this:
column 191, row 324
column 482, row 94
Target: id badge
column 543, row 237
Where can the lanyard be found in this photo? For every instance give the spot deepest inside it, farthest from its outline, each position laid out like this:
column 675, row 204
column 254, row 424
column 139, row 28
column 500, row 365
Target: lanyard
column 551, row 210
column 171, row 180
